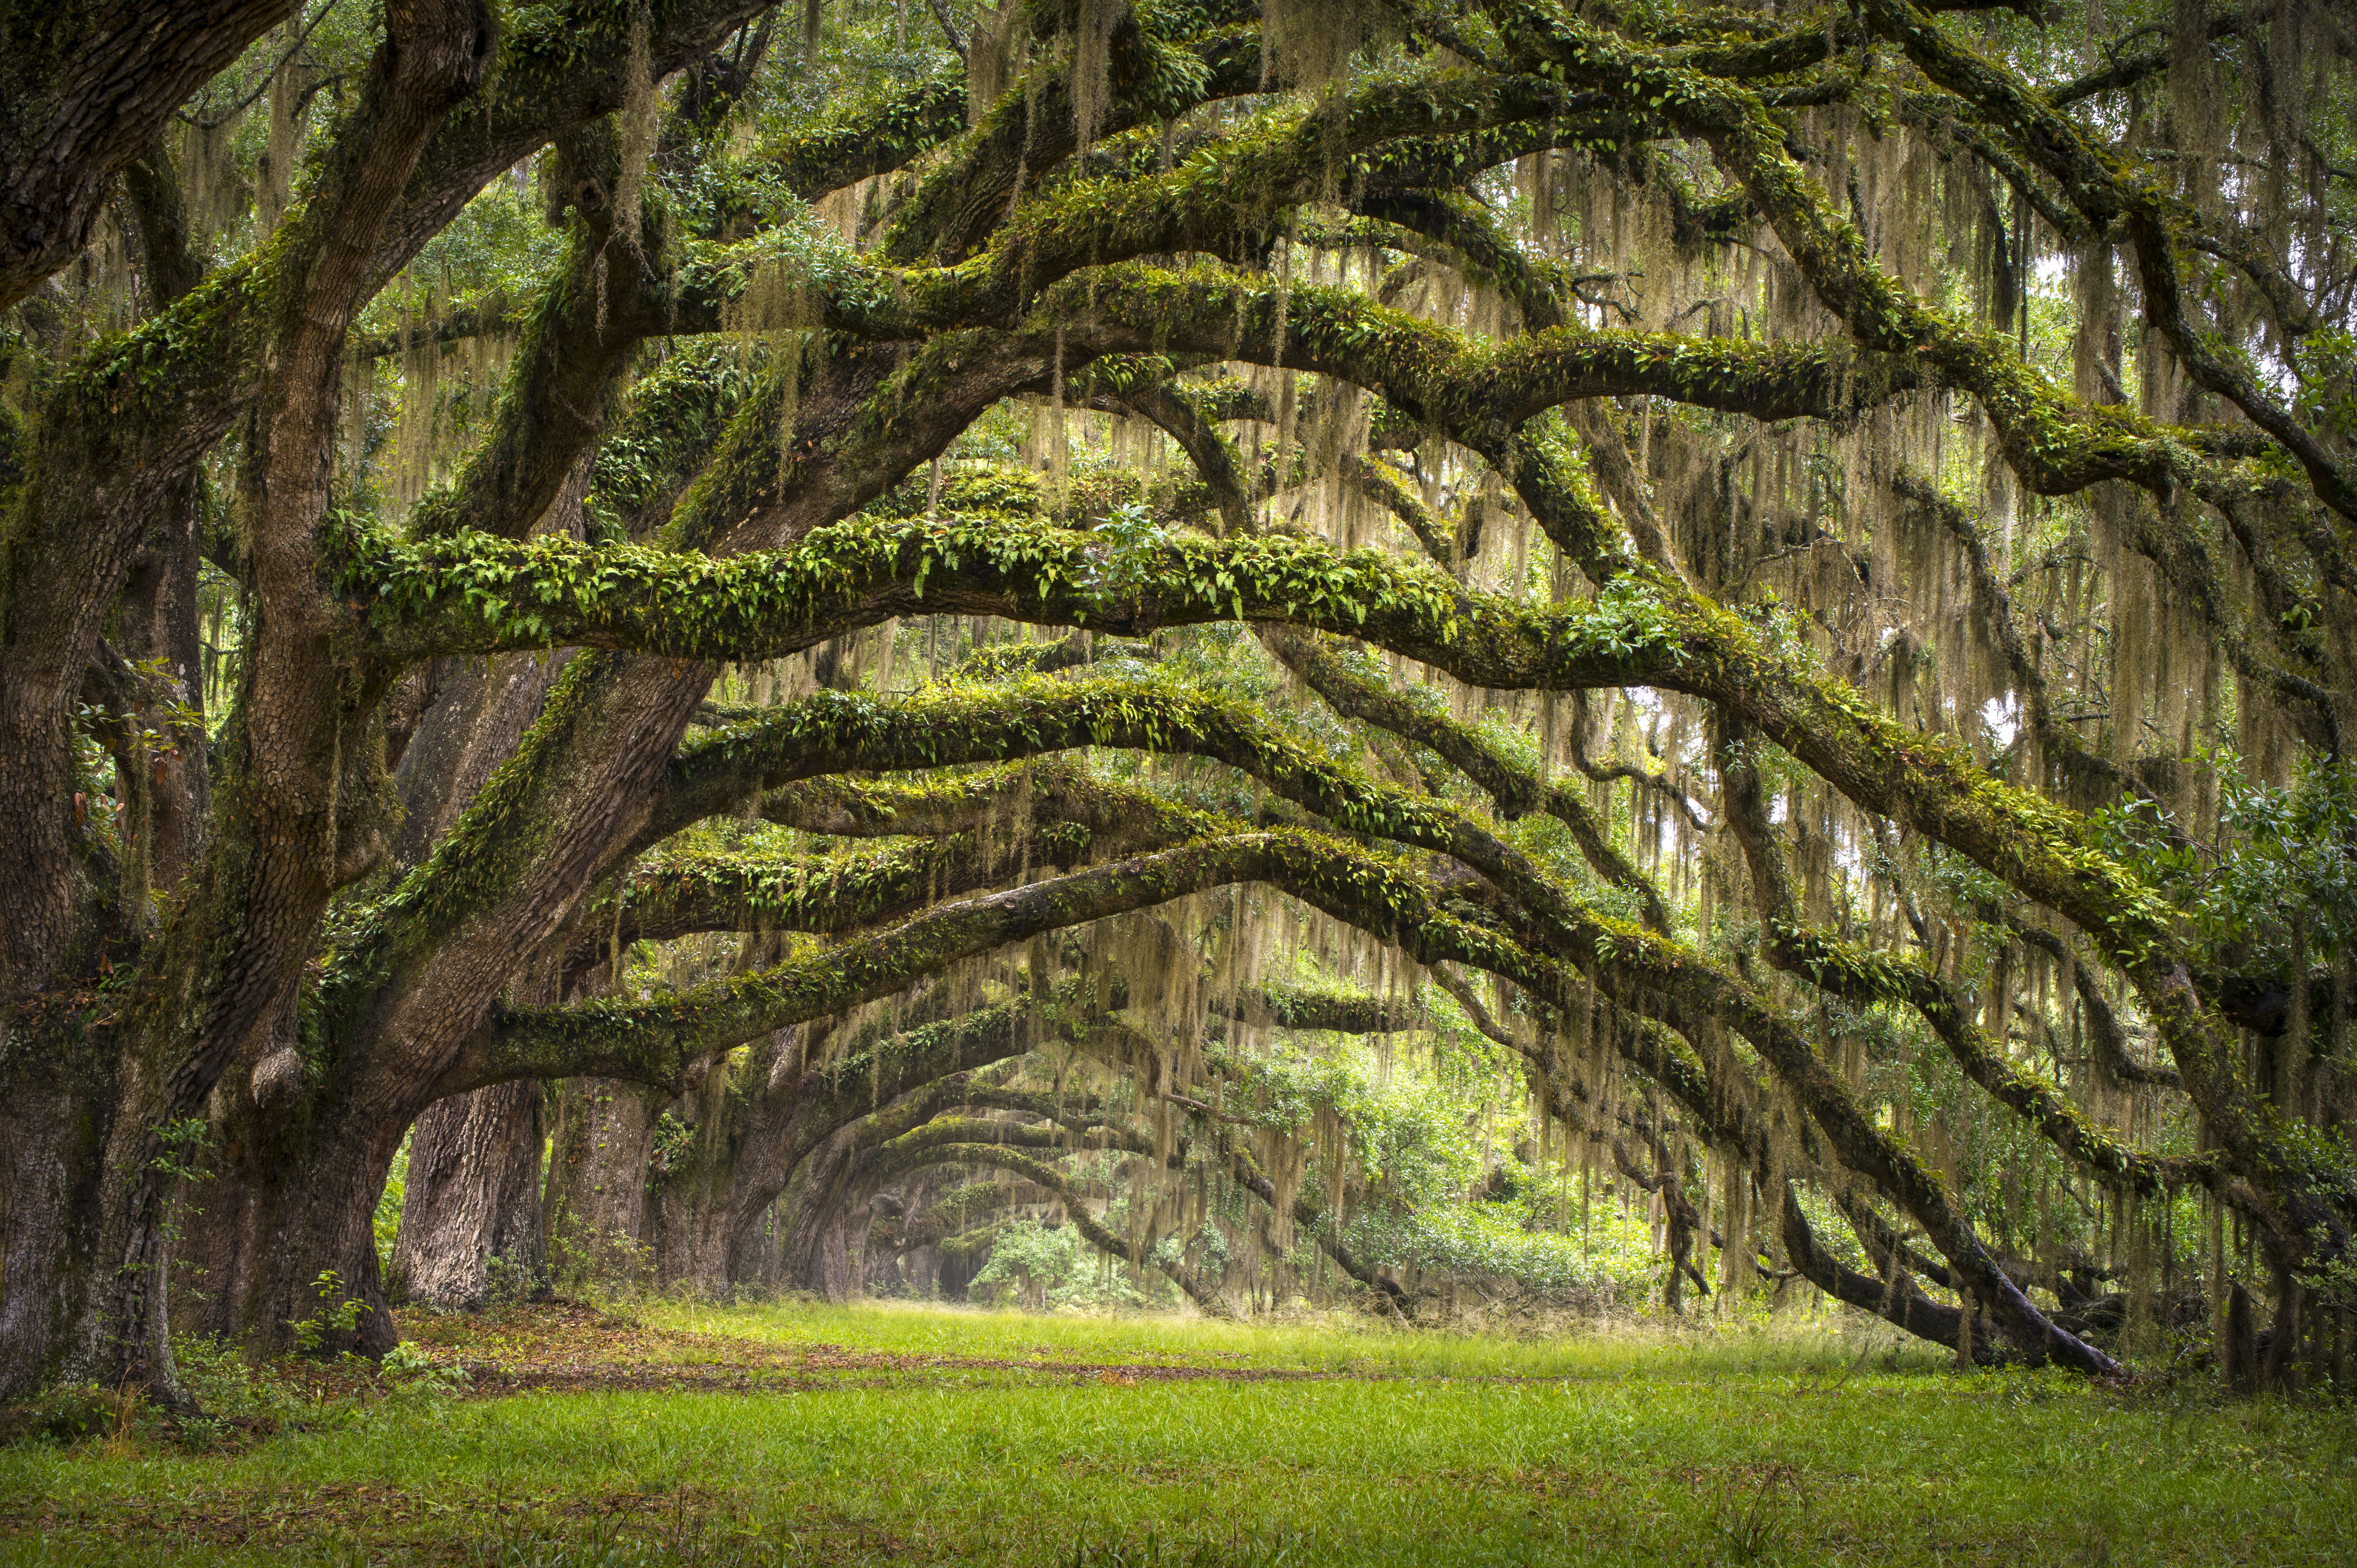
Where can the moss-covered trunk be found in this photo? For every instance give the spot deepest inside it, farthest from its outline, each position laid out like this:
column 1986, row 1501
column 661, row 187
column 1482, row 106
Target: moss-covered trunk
column 282, row 1235
column 299, row 774
column 596, row 1198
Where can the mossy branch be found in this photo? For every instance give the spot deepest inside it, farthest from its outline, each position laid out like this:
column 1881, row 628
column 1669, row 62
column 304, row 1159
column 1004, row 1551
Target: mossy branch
column 1866, row 978
column 1516, row 789
column 2106, row 191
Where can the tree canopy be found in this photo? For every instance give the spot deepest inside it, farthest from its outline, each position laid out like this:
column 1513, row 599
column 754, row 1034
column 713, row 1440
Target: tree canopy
column 1309, row 637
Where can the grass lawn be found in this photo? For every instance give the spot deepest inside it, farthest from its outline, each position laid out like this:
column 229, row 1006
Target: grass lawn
column 795, row 1434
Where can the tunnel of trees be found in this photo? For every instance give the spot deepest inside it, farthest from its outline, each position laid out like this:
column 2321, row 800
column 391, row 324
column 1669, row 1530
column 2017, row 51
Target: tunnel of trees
column 1335, row 647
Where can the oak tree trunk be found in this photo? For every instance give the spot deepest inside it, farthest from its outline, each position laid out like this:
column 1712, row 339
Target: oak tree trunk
column 49, row 1139
column 597, row 1192
column 471, row 1220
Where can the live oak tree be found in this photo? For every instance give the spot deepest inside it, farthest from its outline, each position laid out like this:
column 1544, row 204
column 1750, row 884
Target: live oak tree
column 1787, row 570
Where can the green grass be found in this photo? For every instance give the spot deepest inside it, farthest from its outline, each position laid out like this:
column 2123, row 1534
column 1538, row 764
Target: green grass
column 1350, row 1346
column 1736, row 1447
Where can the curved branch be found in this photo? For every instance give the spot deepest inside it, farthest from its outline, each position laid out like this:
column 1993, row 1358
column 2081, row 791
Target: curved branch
column 90, row 89
column 1858, row 975
column 1516, row 789
column 2102, row 189
column 1049, row 1179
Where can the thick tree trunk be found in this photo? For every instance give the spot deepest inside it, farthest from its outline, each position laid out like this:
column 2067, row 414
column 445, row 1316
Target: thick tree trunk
column 518, row 875
column 766, row 1156
column 470, row 1220
column 829, row 1270
column 49, row 1146
column 687, row 1226
column 688, row 1198
column 330, row 1218
column 595, row 1197
column 753, row 1257
column 2286, row 1365
column 290, row 1195
column 297, row 759
column 813, row 1253
column 274, row 1217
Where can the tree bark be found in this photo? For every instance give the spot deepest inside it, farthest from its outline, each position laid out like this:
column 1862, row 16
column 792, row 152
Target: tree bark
column 687, row 1196
column 1894, row 1298
column 482, row 711
column 89, row 84
column 812, row 1251
column 49, row 1147
column 278, row 1210
column 470, row 1220
column 298, row 767
column 773, row 1093
column 596, row 1194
